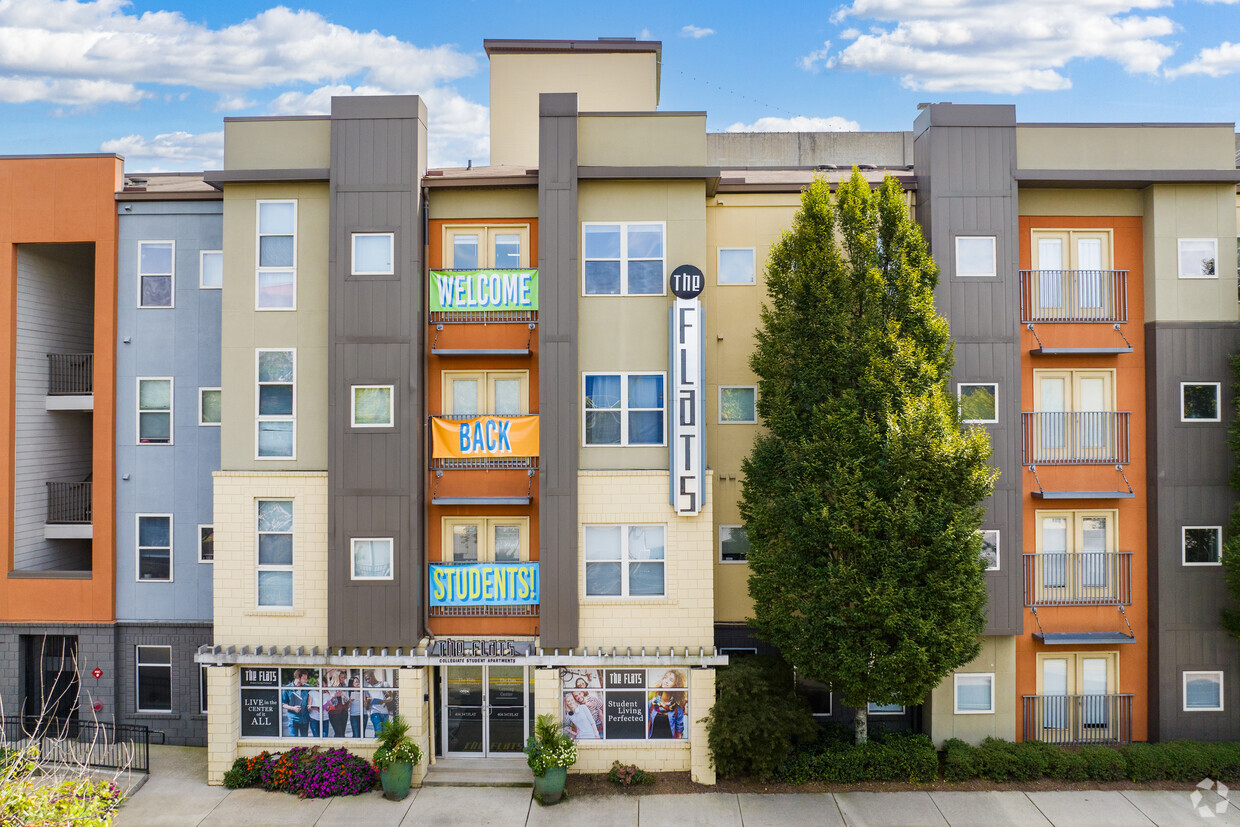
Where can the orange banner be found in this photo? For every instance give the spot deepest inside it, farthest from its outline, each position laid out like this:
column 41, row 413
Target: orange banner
column 484, row 437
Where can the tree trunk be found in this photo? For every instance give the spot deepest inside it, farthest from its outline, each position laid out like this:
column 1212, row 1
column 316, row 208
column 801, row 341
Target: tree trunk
column 861, row 728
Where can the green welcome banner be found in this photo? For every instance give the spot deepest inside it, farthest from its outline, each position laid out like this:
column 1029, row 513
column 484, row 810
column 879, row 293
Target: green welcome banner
column 472, row 291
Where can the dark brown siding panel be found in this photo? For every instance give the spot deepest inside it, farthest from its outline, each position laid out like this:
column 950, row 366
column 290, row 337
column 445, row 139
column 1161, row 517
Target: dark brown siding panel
column 557, row 348
column 1188, row 485
column 377, row 328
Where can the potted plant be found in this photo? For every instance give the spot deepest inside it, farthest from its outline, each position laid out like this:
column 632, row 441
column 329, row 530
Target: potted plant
column 549, row 752
column 395, row 758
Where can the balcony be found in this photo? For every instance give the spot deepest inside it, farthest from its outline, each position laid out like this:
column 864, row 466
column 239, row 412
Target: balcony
column 473, row 442
column 1077, row 296
column 68, row 511
column 1078, row 719
column 493, row 296
column 70, row 382
column 1091, row 578
column 475, row 589
column 1075, row 438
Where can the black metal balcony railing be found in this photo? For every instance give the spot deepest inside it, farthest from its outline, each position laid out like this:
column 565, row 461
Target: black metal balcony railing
column 68, row 502
column 475, row 463
column 1089, row 578
column 1075, row 438
column 70, row 374
column 1078, row 719
column 437, row 317
column 1074, row 296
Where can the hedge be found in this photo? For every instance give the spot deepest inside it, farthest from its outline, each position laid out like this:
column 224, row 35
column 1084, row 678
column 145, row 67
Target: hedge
column 889, row 757
column 999, row 760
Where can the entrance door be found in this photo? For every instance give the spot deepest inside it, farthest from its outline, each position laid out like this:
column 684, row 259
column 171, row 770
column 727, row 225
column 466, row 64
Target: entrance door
column 486, row 710
column 51, row 681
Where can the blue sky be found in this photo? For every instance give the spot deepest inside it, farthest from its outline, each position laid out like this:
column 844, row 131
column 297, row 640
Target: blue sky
column 154, row 80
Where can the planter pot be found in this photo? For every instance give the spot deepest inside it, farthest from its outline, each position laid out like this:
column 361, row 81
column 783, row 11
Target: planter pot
column 549, row 787
column 396, row 780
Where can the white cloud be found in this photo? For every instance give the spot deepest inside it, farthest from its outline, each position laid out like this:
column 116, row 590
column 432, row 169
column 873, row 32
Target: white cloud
column 800, row 123
column 645, row 34
column 696, row 32
column 169, row 152
column 809, row 62
column 80, row 92
column 1001, row 46
column 233, row 103
column 1221, row 60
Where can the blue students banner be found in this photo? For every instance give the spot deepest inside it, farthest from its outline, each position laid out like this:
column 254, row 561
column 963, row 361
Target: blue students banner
column 484, row 584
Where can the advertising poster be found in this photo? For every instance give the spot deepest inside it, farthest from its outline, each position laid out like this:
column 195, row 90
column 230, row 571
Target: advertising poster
column 667, row 703
column 306, row 702
column 633, row 704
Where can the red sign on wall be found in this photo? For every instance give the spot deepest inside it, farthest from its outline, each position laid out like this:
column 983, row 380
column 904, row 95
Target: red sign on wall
column 97, row 672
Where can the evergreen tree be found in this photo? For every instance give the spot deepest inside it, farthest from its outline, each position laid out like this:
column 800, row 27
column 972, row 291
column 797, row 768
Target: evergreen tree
column 862, row 499
column 1231, row 546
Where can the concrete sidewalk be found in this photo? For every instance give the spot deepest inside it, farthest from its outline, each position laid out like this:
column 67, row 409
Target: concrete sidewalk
column 176, row 793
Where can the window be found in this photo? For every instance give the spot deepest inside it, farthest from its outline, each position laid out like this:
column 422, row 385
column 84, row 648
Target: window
column 1197, row 257
column 1199, row 402
column 275, row 553
column 474, row 393
column 1074, row 551
column 154, row 682
column 623, row 408
column 736, row 265
column 276, row 403
column 309, row 702
column 499, row 247
column 975, row 693
column 372, row 558
column 1075, row 689
column 1203, row 545
column 733, row 544
column 817, row 695
column 623, row 259
column 625, row 560
column 485, row 539
column 154, row 547
column 990, row 548
column 373, row 406
column 208, row 406
column 1074, row 417
column 211, row 269
column 154, row 411
column 738, row 405
column 372, row 254
column 276, row 278
column 206, row 544
column 630, row 704
column 975, row 256
column 1072, row 276
column 1203, row 691
column 155, row 273
column 979, row 402
column 885, row 709
column 202, row 688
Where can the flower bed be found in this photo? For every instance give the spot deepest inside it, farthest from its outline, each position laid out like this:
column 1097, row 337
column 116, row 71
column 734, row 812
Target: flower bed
column 307, row 772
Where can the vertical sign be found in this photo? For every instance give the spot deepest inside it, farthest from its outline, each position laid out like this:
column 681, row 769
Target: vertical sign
column 687, row 391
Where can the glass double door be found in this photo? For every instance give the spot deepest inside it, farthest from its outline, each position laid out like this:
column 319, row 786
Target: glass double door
column 486, row 710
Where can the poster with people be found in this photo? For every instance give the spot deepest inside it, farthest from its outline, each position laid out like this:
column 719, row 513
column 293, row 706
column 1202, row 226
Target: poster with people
column 312, row 702
column 624, row 704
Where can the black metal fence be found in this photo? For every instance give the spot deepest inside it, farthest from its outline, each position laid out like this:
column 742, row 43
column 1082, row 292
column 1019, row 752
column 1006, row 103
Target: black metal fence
column 68, row 502
column 1074, row 296
column 70, row 374
column 1075, row 437
column 1087, row 578
column 94, row 744
column 1078, row 719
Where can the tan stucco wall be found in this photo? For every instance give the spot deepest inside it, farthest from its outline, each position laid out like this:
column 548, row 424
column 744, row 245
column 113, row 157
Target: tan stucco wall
column 1175, row 211
column 1125, row 147
column 223, row 721
column 238, row 619
column 998, row 655
column 604, row 82
column 483, row 203
column 659, row 140
column 1081, row 202
column 296, row 143
column 244, row 329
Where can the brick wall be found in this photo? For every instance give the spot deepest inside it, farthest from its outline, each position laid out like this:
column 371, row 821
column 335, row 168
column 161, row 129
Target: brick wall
column 185, row 725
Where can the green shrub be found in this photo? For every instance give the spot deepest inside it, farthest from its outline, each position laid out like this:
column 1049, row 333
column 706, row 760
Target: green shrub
column 1144, row 762
column 1102, row 763
column 756, row 718
column 246, row 772
column 960, row 760
column 897, row 757
column 628, row 775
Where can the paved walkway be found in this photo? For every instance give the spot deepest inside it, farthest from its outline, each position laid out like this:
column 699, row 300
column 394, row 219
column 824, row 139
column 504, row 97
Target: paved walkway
column 176, row 793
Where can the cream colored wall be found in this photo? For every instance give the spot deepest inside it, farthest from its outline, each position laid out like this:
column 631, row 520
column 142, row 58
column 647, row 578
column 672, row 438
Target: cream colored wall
column 604, row 82
column 295, row 143
column 244, row 329
column 238, row 618
column 223, row 721
column 489, row 202
column 1125, row 147
column 1081, row 202
column 659, row 140
column 1175, row 211
column 684, row 617
column 998, row 655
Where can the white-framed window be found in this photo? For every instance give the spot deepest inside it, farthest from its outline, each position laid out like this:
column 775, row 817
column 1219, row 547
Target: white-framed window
column 976, row 256
column 156, row 273
column 485, row 539
column 623, row 258
column 373, row 254
column 154, row 548
column 738, row 404
column 477, row 246
column 371, row 558
column 155, row 410
column 625, row 560
column 979, row 402
column 1203, row 691
column 990, row 548
column 275, row 553
column 154, row 678
column 884, row 709
column 372, row 406
column 211, row 269
column 206, row 543
column 733, row 544
column 1198, row 258
column 209, row 406
column 816, row 694
column 1202, row 545
column 1200, row 402
column 975, row 693
column 275, row 282
column 276, row 404
column 623, row 409
column 736, row 265
column 202, row 688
